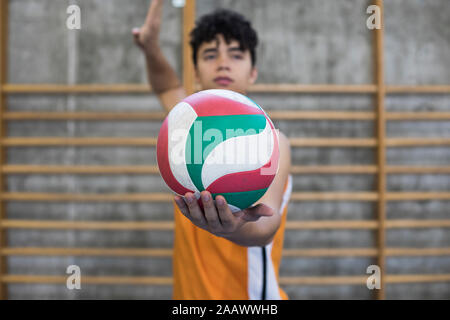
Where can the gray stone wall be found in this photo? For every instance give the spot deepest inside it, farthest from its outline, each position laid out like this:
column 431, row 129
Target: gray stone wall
column 302, row 41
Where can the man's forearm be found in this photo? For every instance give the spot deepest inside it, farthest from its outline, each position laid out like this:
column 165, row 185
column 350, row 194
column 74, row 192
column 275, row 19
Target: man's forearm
column 160, row 74
column 258, row 233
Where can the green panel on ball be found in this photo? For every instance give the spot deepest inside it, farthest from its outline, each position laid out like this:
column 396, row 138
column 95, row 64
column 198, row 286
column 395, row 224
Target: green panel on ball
column 198, row 150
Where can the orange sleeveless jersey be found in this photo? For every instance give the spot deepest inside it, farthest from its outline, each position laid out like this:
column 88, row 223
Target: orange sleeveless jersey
column 208, row 267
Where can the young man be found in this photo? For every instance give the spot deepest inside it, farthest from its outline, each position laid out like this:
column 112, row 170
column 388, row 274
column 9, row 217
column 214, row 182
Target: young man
column 218, row 254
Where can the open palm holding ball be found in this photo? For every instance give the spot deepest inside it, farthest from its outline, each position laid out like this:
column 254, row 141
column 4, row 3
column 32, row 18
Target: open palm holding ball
column 222, row 142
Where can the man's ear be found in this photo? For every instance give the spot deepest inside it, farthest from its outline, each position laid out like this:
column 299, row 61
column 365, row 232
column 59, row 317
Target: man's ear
column 253, row 75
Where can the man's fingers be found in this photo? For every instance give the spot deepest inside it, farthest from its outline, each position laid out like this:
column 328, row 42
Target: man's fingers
column 148, row 34
column 154, row 12
column 182, row 206
column 136, row 34
column 226, row 216
column 196, row 213
column 210, row 211
column 256, row 212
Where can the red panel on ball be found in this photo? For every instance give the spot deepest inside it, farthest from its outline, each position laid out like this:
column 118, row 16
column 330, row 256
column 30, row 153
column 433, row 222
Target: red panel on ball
column 241, row 182
column 248, row 180
column 206, row 104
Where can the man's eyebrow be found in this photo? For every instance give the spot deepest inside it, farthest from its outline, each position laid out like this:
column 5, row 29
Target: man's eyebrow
column 235, row 49
column 209, row 50
column 214, row 50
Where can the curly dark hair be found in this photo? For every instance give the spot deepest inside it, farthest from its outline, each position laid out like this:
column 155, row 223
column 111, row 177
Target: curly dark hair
column 232, row 25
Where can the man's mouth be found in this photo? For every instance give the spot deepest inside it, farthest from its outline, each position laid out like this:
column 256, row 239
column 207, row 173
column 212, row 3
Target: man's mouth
column 223, row 81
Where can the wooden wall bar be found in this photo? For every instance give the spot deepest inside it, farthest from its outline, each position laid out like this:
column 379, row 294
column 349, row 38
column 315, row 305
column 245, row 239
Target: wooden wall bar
column 3, row 130
column 188, row 68
column 274, row 115
column 164, row 281
column 295, row 142
column 381, row 150
column 257, row 88
column 167, row 253
column 167, row 197
column 153, row 169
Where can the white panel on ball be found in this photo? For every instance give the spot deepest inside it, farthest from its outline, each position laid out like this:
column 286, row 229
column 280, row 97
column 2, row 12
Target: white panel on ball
column 180, row 120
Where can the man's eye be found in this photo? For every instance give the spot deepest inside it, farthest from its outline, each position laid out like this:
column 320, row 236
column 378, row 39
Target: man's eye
column 239, row 57
column 209, row 57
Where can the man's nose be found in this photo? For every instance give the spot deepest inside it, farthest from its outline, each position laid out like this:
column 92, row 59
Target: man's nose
column 222, row 64
column 223, row 68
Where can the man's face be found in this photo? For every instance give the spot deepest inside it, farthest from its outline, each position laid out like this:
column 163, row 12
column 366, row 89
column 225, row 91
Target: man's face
column 224, row 66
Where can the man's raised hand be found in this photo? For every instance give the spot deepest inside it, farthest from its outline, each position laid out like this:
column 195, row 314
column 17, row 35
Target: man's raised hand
column 148, row 35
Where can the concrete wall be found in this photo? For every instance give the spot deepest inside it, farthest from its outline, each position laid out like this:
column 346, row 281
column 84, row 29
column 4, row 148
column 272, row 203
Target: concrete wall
column 302, row 41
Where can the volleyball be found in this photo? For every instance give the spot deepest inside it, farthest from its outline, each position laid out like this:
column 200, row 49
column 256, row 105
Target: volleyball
column 220, row 141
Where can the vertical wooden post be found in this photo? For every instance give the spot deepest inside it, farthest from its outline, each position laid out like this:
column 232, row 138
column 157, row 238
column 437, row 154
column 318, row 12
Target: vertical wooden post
column 188, row 67
column 381, row 151
column 3, row 80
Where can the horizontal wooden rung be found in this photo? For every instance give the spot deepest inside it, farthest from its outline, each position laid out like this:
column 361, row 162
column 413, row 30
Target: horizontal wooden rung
column 78, row 169
column 112, row 280
column 367, row 169
column 365, row 224
column 368, row 196
column 284, row 280
column 331, row 224
column 417, row 278
column 417, row 252
column 417, row 169
column 87, row 197
column 295, row 142
column 323, row 280
column 83, row 115
column 159, row 115
column 334, row 196
column 402, row 224
column 87, row 225
column 91, row 141
column 445, row 89
column 111, row 252
column 362, row 280
column 168, row 197
column 120, row 141
column 260, row 88
column 152, row 169
column 78, row 88
column 418, row 115
column 333, row 142
column 364, row 252
column 141, row 88
column 161, row 252
column 274, row 115
column 169, row 225
column 417, row 196
column 406, row 142
column 313, row 88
